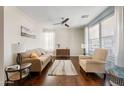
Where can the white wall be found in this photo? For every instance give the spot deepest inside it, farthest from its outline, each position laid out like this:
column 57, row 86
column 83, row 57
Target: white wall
column 1, row 46
column 70, row 38
column 13, row 20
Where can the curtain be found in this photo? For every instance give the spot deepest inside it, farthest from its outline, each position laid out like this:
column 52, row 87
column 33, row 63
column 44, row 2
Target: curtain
column 49, row 37
column 119, row 36
column 86, row 40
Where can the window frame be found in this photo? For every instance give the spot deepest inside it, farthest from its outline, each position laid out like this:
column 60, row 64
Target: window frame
column 100, row 30
column 89, row 36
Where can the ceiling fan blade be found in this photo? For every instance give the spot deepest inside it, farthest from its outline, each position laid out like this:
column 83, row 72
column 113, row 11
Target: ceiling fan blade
column 64, row 21
column 67, row 25
column 56, row 23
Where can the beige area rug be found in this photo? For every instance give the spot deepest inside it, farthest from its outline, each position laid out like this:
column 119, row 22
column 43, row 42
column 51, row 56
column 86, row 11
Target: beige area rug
column 62, row 67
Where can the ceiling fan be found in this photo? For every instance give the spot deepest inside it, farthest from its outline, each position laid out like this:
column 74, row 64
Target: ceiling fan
column 63, row 22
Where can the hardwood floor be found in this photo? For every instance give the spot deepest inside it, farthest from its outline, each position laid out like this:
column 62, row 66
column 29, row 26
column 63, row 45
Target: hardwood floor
column 81, row 80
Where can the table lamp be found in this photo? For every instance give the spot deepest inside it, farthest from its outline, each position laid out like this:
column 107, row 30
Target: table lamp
column 19, row 50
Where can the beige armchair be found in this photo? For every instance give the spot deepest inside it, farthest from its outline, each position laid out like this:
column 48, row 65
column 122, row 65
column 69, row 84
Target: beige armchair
column 95, row 63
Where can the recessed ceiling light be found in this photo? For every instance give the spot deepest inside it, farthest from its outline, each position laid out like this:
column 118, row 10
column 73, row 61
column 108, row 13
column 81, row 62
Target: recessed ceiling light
column 84, row 16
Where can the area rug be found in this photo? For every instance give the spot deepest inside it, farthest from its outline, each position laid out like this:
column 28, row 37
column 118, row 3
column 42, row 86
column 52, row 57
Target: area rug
column 62, row 67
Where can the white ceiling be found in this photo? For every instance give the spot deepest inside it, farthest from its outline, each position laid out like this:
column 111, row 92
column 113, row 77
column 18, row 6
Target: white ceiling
column 49, row 15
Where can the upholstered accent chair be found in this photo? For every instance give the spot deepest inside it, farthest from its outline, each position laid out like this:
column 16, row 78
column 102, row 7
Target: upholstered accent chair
column 95, row 63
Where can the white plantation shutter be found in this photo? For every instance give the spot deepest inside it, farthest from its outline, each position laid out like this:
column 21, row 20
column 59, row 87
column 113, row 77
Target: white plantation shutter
column 93, row 38
column 107, row 36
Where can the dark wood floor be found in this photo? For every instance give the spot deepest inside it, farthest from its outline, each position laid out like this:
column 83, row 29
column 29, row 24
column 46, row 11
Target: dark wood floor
column 81, row 80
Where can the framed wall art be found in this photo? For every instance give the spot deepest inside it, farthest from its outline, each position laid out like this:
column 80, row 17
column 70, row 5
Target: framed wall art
column 26, row 32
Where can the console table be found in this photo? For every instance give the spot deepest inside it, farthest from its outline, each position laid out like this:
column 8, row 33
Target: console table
column 62, row 53
column 114, row 74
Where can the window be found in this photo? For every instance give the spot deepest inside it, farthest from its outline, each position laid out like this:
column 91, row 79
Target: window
column 107, row 36
column 49, row 40
column 93, row 38
column 86, row 40
column 102, row 35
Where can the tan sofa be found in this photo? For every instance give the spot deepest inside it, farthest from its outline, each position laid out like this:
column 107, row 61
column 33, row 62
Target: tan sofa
column 38, row 64
column 95, row 63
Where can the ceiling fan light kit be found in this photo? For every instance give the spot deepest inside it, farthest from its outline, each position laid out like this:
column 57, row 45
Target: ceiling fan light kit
column 84, row 16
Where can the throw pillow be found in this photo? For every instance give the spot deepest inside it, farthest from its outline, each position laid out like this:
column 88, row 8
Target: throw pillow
column 34, row 55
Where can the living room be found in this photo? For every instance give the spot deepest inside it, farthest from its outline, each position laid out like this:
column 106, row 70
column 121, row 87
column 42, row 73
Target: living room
column 65, row 32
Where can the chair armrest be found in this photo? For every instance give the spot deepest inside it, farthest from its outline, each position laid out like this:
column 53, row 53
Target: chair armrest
column 95, row 62
column 85, row 57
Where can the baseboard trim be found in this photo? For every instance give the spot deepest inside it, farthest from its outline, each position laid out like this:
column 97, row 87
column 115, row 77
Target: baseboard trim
column 74, row 55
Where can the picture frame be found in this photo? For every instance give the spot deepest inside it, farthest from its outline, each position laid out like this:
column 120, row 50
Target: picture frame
column 26, row 32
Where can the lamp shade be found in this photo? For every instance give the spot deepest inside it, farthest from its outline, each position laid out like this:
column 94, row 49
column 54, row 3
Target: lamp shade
column 20, row 48
column 82, row 45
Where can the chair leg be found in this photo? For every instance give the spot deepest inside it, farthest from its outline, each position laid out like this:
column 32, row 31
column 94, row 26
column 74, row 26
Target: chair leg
column 40, row 73
column 30, row 75
column 6, row 83
column 80, row 66
column 104, row 76
column 85, row 73
column 17, row 83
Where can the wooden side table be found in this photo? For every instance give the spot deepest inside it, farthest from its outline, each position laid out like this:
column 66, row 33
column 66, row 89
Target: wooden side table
column 17, row 72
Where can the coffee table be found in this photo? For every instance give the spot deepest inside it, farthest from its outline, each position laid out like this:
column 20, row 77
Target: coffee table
column 17, row 72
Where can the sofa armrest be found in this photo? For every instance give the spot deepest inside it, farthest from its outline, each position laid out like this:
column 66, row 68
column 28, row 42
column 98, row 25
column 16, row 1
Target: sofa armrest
column 85, row 57
column 36, row 63
column 30, row 60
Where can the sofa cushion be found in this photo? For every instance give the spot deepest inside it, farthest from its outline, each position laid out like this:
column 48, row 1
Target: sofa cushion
column 26, row 54
column 42, row 51
column 38, row 51
column 34, row 55
column 44, row 58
